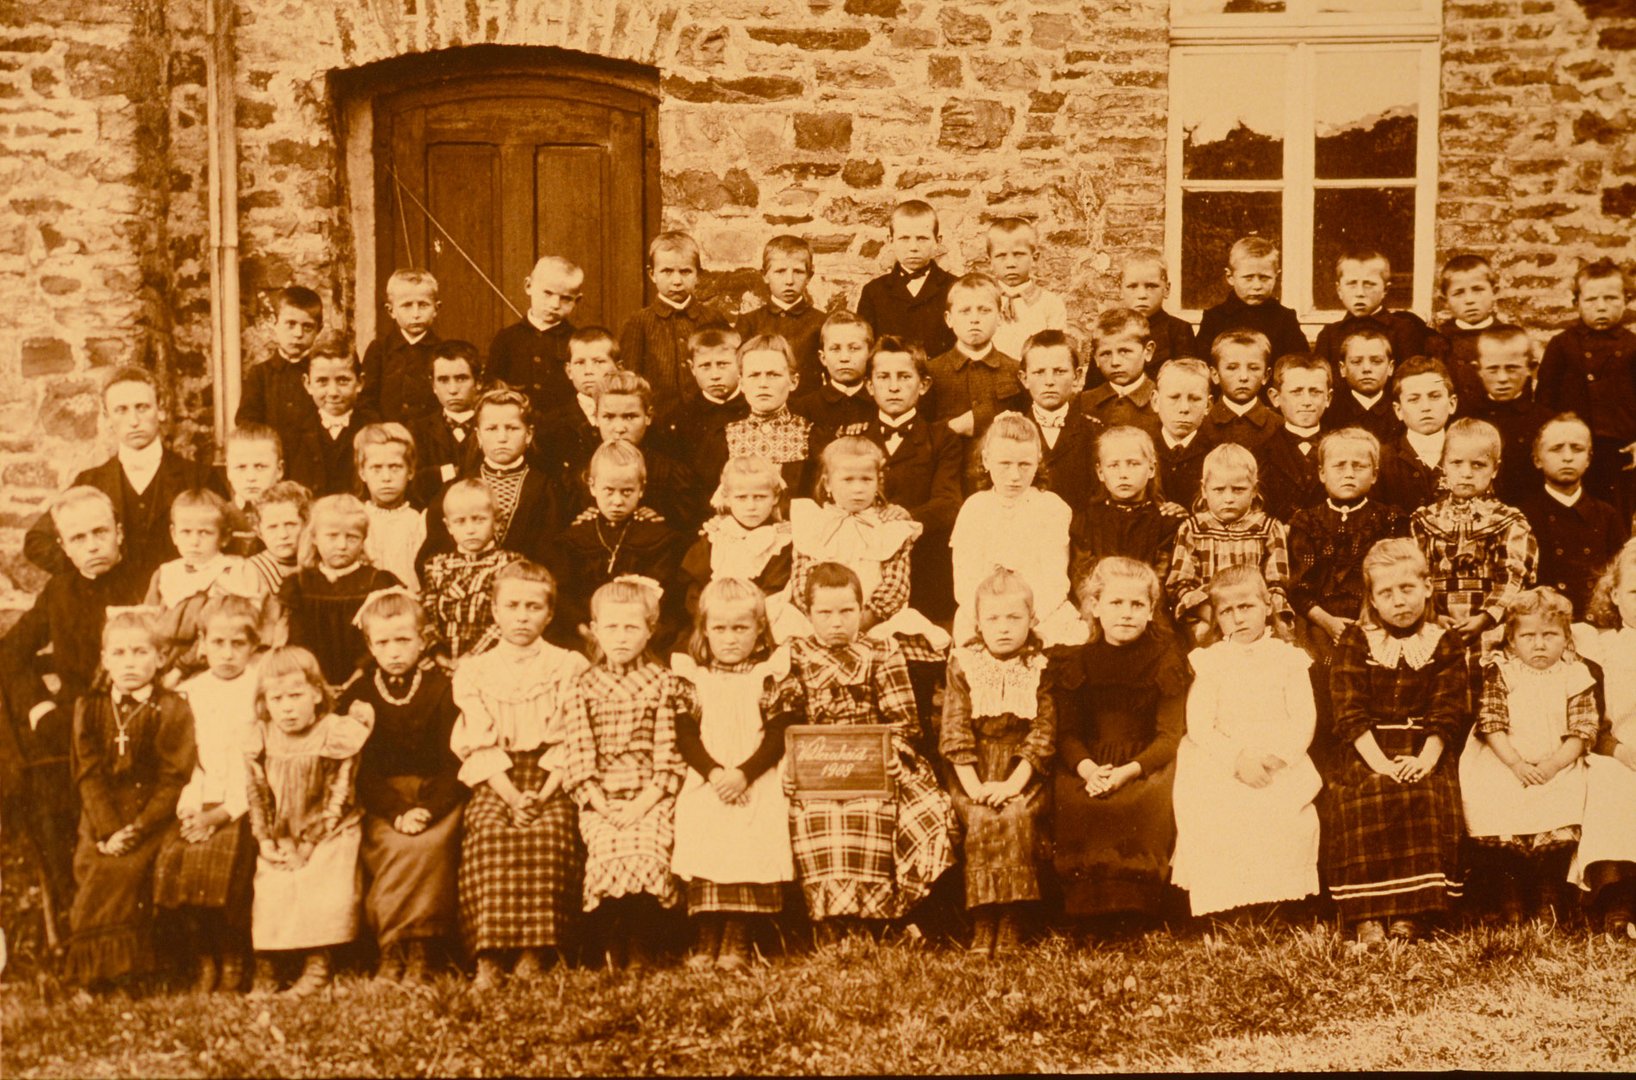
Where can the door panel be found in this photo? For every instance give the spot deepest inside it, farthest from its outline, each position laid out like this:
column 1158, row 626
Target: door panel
column 570, row 215
column 463, row 184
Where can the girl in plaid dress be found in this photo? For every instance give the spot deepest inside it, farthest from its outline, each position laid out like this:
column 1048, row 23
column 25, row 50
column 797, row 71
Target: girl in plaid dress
column 865, row 859
column 205, row 870
column 732, row 818
column 520, row 863
column 458, row 586
column 999, row 736
column 1399, row 691
column 623, row 769
column 1228, row 527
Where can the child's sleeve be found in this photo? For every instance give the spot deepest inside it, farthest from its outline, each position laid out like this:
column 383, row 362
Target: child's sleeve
column 579, row 775
column 152, row 598
column 263, row 810
column 1203, row 703
column 782, row 704
column 1184, row 569
column 1300, row 710
column 252, row 397
column 895, row 698
column 1514, row 571
column 633, row 345
column 173, row 743
column 1585, row 715
column 1494, row 709
column 91, row 772
column 1303, row 559
column 968, row 562
column 690, row 743
column 337, row 794
column 1349, row 687
column 1275, row 559
column 475, row 737
column 1448, row 710
column 800, row 569
column 442, row 791
column 1170, row 718
column 1040, row 745
column 668, row 766
column 956, row 741
column 942, row 503
column 892, row 593
column 1551, row 382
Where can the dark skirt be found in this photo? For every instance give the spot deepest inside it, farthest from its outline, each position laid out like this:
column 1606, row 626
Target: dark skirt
column 1112, row 855
column 519, row 884
column 1001, row 846
column 214, row 874
column 411, row 888
column 112, row 916
column 1396, row 850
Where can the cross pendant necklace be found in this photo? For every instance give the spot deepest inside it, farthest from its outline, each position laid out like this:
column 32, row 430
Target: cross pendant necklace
column 123, row 739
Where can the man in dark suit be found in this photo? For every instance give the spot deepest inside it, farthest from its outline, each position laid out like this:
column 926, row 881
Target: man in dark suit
column 141, row 480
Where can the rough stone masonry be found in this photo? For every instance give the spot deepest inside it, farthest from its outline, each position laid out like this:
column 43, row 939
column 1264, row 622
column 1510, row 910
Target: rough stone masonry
column 811, row 116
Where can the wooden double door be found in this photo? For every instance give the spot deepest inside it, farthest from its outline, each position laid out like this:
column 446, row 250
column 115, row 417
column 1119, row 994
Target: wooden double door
column 480, row 174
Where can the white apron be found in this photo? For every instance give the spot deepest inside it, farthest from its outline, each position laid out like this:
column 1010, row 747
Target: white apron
column 747, row 843
column 1496, row 803
column 315, row 906
column 1609, row 833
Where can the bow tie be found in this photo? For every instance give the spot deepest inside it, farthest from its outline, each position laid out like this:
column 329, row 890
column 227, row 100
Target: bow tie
column 911, row 276
column 333, row 427
column 1046, row 420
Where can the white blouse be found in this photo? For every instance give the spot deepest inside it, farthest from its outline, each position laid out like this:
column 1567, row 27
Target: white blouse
column 224, row 730
column 510, row 699
column 394, row 539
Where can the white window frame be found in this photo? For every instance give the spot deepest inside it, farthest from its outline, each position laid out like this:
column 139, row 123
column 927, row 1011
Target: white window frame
column 1303, row 34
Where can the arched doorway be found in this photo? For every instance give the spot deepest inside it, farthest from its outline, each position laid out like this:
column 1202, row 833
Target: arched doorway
column 488, row 157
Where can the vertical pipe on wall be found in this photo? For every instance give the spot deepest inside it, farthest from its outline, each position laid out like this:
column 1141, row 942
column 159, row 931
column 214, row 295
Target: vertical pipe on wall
column 225, row 359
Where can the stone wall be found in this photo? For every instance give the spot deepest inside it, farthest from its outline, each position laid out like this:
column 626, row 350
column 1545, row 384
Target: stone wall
column 811, row 116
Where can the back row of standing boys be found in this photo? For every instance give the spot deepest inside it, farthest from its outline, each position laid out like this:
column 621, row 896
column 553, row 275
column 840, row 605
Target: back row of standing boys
column 364, row 642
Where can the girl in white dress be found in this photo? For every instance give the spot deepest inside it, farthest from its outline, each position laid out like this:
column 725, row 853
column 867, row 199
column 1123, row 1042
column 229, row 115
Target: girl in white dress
column 385, row 460
column 732, row 818
column 1604, row 866
column 1522, row 776
column 1246, row 827
column 1018, row 527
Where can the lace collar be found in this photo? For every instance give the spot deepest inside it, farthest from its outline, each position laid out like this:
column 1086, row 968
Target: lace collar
column 1001, row 687
column 1413, row 649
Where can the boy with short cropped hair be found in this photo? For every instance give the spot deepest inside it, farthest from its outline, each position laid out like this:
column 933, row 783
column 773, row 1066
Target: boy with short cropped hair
column 1181, row 398
column 397, row 368
column 272, row 393
column 1411, row 466
column 653, row 341
column 1052, row 373
column 786, row 269
column 1578, row 534
column 972, row 378
column 1240, row 361
column 841, row 398
column 1364, row 398
column 1144, row 284
column 141, row 479
column 445, row 441
column 1361, row 278
column 1252, row 277
column 1288, row 460
column 623, row 410
column 529, row 355
column 565, row 437
column 771, row 430
column 255, row 462
column 322, row 459
column 1590, row 369
column 1026, row 307
column 1467, row 284
column 1504, row 364
column 909, row 300
column 690, row 430
column 1122, row 348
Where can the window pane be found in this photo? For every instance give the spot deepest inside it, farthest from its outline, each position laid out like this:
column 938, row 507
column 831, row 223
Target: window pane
column 1351, row 218
column 1211, row 222
column 1367, row 106
column 1190, row 8
column 1231, row 107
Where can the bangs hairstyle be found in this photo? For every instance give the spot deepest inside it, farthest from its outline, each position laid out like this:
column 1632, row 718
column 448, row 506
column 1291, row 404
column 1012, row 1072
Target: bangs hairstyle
column 786, row 244
column 1230, row 457
column 1050, row 339
column 1249, row 339
column 1399, row 551
column 1003, row 582
column 530, row 572
column 831, row 575
column 624, row 383
column 713, row 337
column 891, row 343
column 202, row 499
column 387, row 434
column 1231, row 577
column 767, row 343
column 627, row 589
column 1464, row 264
column 974, row 283
column 460, row 351
column 836, row 319
column 1012, row 226
column 729, row 591
column 134, row 373
column 1567, row 419
column 1109, row 570
column 1122, row 433
column 414, row 279
column 1301, row 362
column 1603, row 612
column 467, row 489
column 1420, row 365
column 594, row 335
column 1118, row 321
column 1481, row 432
column 240, row 610
column 502, row 396
column 246, row 434
column 1354, row 436
column 1251, row 247
column 283, row 662
column 1366, row 255
column 1599, row 270
column 143, row 620
column 346, row 507
column 302, row 299
column 854, row 448
column 390, row 604
column 81, row 495
column 1146, row 257
column 914, row 208
column 1183, row 365
column 287, row 493
column 741, row 471
column 675, row 242
column 1367, row 333
column 1545, row 601
column 619, row 454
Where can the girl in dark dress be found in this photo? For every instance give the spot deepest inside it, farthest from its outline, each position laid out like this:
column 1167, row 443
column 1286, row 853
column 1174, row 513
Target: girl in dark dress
column 1121, row 707
column 322, row 599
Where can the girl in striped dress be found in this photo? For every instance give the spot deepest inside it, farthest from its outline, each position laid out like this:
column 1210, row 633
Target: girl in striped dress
column 520, row 865
column 1399, row 690
column 623, row 769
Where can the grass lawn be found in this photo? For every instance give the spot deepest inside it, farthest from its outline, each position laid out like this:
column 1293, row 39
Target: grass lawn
column 1290, row 998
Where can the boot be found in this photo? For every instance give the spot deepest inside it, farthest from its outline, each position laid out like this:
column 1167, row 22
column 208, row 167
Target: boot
column 708, row 943
column 984, row 928
column 735, row 945
column 390, row 969
column 414, row 963
column 1403, row 929
column 232, row 980
column 314, row 975
column 1371, row 932
column 528, row 967
column 827, row 932
column 1009, row 938
column 488, row 972
column 266, row 980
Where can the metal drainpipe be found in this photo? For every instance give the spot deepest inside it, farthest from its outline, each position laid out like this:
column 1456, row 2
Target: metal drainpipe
column 225, row 347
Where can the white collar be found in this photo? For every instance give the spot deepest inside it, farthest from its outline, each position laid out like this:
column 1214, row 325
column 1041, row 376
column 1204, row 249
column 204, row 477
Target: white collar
column 1366, row 402
column 895, row 423
column 1485, row 324
column 1130, row 388
column 1566, row 500
column 1177, row 444
column 1237, row 409
column 965, row 350
column 1060, row 410
column 587, row 405
column 143, row 462
column 459, row 417
column 853, row 391
column 141, row 693
column 533, row 320
column 1428, row 448
column 333, row 424
column 669, row 303
column 780, row 305
column 1305, row 434
column 416, row 340
column 714, row 400
column 332, row 576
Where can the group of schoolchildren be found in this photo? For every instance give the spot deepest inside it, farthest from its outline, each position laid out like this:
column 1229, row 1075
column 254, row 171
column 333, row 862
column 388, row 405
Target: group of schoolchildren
column 495, row 652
